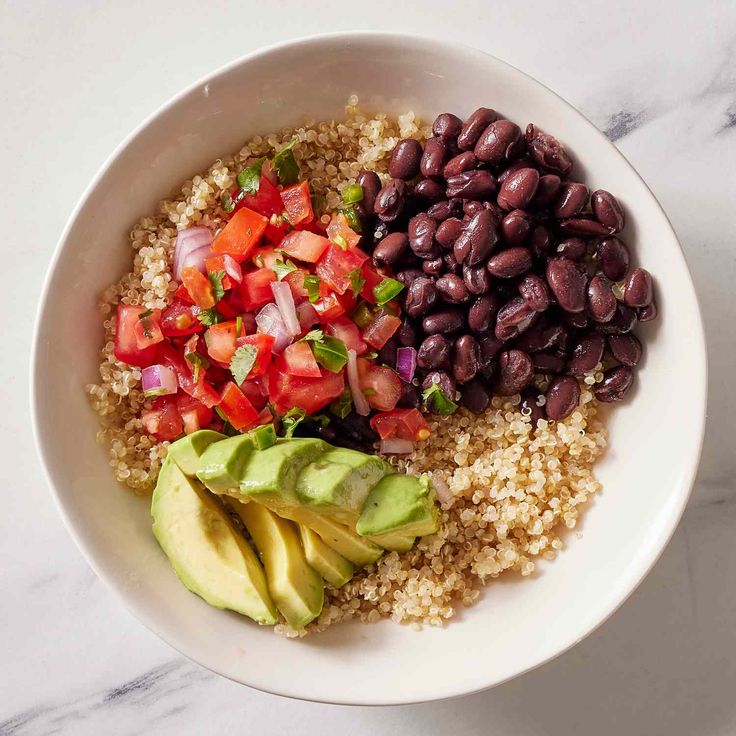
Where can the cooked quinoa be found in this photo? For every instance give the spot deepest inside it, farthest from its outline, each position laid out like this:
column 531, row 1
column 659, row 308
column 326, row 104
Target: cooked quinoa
column 506, row 492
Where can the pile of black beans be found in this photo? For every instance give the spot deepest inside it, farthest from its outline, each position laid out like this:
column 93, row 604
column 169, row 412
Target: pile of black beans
column 512, row 269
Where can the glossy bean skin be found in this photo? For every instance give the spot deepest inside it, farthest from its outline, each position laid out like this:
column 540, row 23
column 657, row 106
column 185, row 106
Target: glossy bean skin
column 534, row 291
column 625, row 348
column 542, row 336
column 547, row 363
column 434, row 353
column 371, row 185
column 476, row 395
column 571, row 199
column 435, row 267
column 477, row 279
column 584, row 226
column 490, row 347
column 616, row 382
column 601, row 299
column 472, row 207
column 518, row 189
column 623, row 321
column 429, row 190
column 421, row 296
column 579, row 320
column 507, row 264
column 547, row 151
column 459, row 164
column 515, row 372
column 475, row 184
column 476, row 123
column 447, row 126
column 512, row 168
column 586, row 353
column 613, row 258
column 452, row 289
column 390, row 200
column 407, row 335
column 409, row 398
column 448, row 232
column 466, row 359
column 567, row 280
column 451, row 264
column 445, row 208
column 443, row 322
column 563, row 396
column 434, row 157
column 639, row 290
column 404, row 163
column 573, row 248
column 482, row 311
column 390, row 249
column 547, row 191
column 513, row 318
column 387, row 353
column 529, row 406
column 477, row 239
column 607, row 210
column 540, row 242
column 648, row 313
column 444, row 380
column 516, row 226
column 422, row 229
column 498, row 142
column 408, row 276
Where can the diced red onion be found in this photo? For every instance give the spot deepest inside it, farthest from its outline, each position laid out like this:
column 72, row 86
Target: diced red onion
column 158, row 380
column 188, row 241
column 270, row 322
column 285, row 302
column 395, row 446
column 307, row 315
column 359, row 400
column 232, row 268
column 406, row 363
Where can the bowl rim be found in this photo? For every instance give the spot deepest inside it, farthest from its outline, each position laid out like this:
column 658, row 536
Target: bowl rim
column 654, row 551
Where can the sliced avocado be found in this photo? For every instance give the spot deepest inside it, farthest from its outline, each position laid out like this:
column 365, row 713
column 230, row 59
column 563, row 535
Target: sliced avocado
column 297, row 588
column 270, row 475
column 333, row 567
column 207, row 553
column 394, row 541
column 185, row 452
column 222, row 463
column 400, row 504
column 338, row 482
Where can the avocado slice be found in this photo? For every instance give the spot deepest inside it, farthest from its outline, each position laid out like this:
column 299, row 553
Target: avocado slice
column 185, row 452
column 333, row 567
column 297, row 588
column 207, row 553
column 338, row 482
column 402, row 504
column 394, row 541
column 222, row 463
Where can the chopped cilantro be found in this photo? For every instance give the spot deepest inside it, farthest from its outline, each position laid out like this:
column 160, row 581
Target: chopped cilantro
column 285, row 164
column 218, row 291
column 226, row 201
column 198, row 361
column 145, row 314
column 351, row 216
column 343, row 405
column 357, row 282
column 314, row 336
column 282, row 268
column 291, row 420
column 322, row 419
column 311, row 284
column 242, row 362
column 437, row 401
column 249, row 179
column 331, row 353
column 209, row 317
column 363, row 315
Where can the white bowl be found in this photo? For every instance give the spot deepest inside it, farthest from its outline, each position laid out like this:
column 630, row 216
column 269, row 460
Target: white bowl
column 655, row 436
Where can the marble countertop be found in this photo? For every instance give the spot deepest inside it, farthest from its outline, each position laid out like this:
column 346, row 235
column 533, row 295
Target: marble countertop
column 659, row 76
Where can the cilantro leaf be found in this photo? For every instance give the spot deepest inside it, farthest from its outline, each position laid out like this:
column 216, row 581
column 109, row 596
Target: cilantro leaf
column 311, row 284
column 322, row 419
column 352, row 217
column 283, row 269
column 198, row 361
column 249, row 179
column 438, row 401
column 242, row 362
column 314, row 336
column 357, row 281
column 343, row 404
column 226, row 201
column 145, row 314
column 218, row 291
column 291, row 420
column 285, row 164
column 209, row 317
column 331, row 353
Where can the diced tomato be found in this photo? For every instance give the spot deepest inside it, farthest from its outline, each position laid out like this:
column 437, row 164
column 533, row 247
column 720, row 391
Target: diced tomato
column 227, row 264
column 335, row 265
column 264, row 346
column 255, row 393
column 194, row 414
column 180, row 319
column 304, row 245
column 339, row 230
column 295, row 279
column 378, row 332
column 307, row 314
column 406, row 424
column 372, row 279
column 236, row 407
column 347, row 331
column 311, row 394
column 162, row 420
column 148, row 329
column 266, row 257
column 126, row 345
column 182, row 294
column 313, row 226
column 265, row 417
column 198, row 286
column 382, row 387
column 241, row 234
column 255, row 289
column 266, row 201
column 276, row 229
column 297, row 203
column 299, row 360
column 328, row 308
column 220, row 339
column 348, row 301
column 200, row 390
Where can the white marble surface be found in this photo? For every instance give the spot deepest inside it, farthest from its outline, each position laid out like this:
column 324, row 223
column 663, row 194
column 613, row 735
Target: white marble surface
column 77, row 75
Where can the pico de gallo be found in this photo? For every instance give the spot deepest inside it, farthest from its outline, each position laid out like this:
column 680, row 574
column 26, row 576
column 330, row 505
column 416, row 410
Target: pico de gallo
column 275, row 319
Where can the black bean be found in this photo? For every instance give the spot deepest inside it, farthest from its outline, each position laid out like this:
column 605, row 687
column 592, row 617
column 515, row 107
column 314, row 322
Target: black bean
column 625, row 348
column 515, row 372
column 434, row 157
column 490, row 346
column 451, row 263
column 613, row 258
column 623, row 321
column 533, row 289
column 476, row 184
column 601, row 299
column 645, row 314
column 428, row 190
column 476, row 123
column 421, row 236
column 472, row 207
column 513, row 318
column 571, row 199
column 421, row 296
column 448, row 232
column 466, row 359
column 498, row 142
column 639, row 290
column 409, row 275
column 434, row 353
column 465, row 161
column 445, row 208
column 616, row 382
column 390, row 249
column 507, row 264
column 518, row 189
column 547, row 191
column 567, row 280
column 407, row 335
column 540, row 242
column 547, row 363
column 447, row 126
column 529, row 406
column 482, row 311
column 542, row 336
column 390, row 200
column 442, row 379
column 387, row 352
column 433, row 267
column 371, row 185
column 445, row 322
column 562, row 397
column 405, row 159
column 607, row 210
column 476, row 395
column 584, row 226
column 477, row 279
column 572, row 248
column 409, row 398
column 452, row 289
column 477, row 239
column 579, row 320
column 516, row 226
column 547, row 151
column 587, row 352
column 520, row 163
